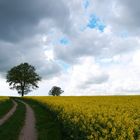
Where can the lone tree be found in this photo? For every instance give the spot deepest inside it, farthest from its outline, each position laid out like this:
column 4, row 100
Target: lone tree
column 23, row 78
column 55, row 91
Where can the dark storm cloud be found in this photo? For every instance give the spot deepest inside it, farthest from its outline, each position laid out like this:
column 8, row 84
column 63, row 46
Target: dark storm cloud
column 13, row 54
column 21, row 18
column 8, row 56
column 94, row 80
column 129, row 13
column 102, row 78
column 20, row 28
column 49, row 69
column 124, row 16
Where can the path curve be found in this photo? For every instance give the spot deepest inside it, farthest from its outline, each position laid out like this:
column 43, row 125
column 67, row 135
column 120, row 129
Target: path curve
column 9, row 114
column 28, row 131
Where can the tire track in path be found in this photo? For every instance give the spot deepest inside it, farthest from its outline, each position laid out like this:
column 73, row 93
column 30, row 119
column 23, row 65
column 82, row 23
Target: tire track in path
column 9, row 114
column 28, row 131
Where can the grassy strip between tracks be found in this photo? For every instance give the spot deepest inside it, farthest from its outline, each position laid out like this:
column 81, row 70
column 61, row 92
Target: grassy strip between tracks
column 5, row 106
column 47, row 127
column 11, row 128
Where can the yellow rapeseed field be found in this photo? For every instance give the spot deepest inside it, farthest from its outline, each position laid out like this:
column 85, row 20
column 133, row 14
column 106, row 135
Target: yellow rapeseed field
column 96, row 118
column 3, row 98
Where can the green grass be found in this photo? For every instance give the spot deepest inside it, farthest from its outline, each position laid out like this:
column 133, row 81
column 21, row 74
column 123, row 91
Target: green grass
column 5, row 106
column 11, row 128
column 47, row 127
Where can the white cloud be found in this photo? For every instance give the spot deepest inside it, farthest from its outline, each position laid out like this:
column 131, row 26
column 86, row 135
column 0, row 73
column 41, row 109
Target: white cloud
column 84, row 76
column 49, row 55
column 4, row 90
column 136, row 59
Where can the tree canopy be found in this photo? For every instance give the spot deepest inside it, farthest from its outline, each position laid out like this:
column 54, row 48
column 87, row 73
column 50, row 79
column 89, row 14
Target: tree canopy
column 55, row 91
column 23, row 78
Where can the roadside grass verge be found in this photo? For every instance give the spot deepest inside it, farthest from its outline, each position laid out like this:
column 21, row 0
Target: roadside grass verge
column 47, row 127
column 11, row 128
column 5, row 106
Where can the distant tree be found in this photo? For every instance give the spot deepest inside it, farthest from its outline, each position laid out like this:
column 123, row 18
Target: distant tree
column 23, row 78
column 56, row 91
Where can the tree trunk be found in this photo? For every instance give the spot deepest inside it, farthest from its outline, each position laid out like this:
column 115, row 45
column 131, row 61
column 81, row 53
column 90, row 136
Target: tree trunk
column 22, row 91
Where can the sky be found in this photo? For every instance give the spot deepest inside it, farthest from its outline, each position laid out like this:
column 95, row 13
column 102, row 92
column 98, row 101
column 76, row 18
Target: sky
column 87, row 47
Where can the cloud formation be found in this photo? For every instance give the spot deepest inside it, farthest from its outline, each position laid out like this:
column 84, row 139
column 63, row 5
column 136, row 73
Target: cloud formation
column 84, row 46
column 23, row 19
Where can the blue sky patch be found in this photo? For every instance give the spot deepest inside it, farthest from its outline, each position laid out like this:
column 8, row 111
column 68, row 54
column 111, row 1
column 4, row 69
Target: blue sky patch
column 101, row 27
column 82, row 28
column 86, row 3
column 64, row 65
column 95, row 22
column 64, row 41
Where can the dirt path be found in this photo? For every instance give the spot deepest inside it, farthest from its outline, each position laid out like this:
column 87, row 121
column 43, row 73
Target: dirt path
column 9, row 114
column 28, row 131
